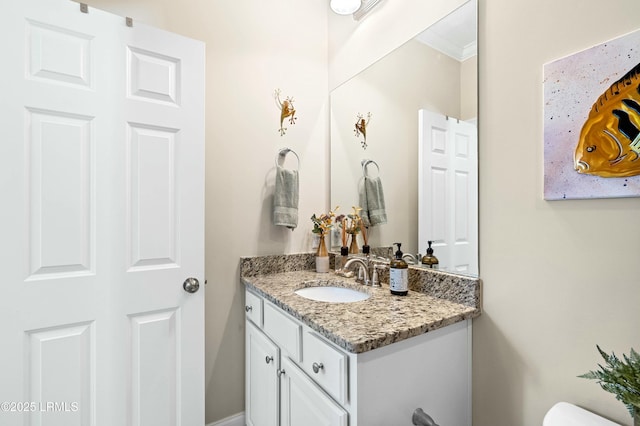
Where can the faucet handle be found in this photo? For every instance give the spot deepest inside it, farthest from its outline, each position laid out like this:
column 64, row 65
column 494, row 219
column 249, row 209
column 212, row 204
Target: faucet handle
column 375, row 279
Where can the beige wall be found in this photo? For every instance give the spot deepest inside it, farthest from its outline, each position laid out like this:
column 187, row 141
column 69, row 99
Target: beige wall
column 253, row 47
column 559, row 277
column 469, row 89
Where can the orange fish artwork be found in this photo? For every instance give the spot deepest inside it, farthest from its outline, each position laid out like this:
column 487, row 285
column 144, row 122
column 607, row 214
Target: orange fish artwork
column 609, row 144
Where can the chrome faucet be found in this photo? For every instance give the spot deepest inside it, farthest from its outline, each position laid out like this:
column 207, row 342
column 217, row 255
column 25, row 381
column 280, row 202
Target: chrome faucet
column 363, row 271
column 413, row 258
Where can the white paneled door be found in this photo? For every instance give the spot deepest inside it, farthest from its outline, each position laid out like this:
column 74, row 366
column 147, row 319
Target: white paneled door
column 447, row 191
column 101, row 220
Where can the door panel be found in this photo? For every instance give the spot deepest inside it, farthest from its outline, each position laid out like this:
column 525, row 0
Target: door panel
column 155, row 350
column 61, row 373
column 59, row 55
column 152, row 191
column 153, row 76
column 54, row 286
column 163, row 205
column 105, row 188
column 60, row 202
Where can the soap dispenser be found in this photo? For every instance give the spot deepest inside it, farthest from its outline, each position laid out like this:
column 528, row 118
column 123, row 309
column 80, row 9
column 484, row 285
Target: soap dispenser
column 429, row 260
column 398, row 274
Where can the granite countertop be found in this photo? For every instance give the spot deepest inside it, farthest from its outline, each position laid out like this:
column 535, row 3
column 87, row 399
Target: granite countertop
column 362, row 326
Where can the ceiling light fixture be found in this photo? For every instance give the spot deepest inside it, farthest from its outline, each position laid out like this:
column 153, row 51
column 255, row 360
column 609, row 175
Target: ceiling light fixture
column 345, row 7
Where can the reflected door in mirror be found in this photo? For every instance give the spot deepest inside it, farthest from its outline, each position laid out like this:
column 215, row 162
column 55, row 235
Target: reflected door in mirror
column 448, row 201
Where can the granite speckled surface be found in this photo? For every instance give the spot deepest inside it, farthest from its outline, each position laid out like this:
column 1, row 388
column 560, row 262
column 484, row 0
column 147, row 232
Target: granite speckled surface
column 435, row 300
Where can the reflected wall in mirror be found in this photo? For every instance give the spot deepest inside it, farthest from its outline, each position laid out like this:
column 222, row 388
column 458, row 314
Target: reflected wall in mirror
column 436, row 71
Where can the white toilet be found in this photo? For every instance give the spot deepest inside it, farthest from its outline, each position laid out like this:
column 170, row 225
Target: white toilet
column 565, row 414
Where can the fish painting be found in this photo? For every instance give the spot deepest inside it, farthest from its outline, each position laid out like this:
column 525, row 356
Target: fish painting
column 609, row 144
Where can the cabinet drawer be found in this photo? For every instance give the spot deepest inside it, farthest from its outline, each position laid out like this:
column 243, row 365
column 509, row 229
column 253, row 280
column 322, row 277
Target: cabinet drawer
column 285, row 331
column 253, row 308
column 326, row 365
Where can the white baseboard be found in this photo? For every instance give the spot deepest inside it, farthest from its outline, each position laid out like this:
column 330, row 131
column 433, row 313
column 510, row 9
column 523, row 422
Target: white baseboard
column 235, row 420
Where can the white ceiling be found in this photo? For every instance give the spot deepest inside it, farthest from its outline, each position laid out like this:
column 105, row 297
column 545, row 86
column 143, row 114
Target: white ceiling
column 454, row 35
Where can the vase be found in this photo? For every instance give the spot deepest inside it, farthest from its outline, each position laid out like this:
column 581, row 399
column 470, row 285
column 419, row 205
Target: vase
column 353, row 248
column 322, row 247
column 322, row 264
column 322, row 256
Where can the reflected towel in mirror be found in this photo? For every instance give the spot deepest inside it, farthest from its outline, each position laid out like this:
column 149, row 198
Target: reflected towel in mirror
column 285, row 198
column 372, row 202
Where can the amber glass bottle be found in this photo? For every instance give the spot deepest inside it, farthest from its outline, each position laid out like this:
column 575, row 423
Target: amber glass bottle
column 399, row 274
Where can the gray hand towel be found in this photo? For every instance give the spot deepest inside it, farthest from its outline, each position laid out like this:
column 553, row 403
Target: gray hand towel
column 285, row 199
column 372, row 202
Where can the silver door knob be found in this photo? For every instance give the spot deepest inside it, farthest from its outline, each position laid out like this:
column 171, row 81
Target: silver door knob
column 191, row 285
column 317, row 367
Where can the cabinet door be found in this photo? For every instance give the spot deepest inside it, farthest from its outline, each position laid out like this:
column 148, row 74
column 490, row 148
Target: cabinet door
column 261, row 381
column 304, row 403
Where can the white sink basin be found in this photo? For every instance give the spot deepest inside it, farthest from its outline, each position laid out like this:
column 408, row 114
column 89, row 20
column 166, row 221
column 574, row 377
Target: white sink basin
column 332, row 294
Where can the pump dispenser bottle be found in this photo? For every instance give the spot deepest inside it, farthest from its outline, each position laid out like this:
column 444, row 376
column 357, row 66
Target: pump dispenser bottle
column 429, row 260
column 398, row 274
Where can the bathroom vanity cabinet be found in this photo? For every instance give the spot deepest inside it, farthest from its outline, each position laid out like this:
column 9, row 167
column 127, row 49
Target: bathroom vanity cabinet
column 278, row 391
column 297, row 377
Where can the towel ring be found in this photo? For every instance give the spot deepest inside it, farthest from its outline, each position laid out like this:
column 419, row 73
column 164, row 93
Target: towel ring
column 365, row 163
column 283, row 153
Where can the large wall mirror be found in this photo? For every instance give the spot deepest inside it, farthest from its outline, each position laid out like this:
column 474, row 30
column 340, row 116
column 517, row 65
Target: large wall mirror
column 418, row 105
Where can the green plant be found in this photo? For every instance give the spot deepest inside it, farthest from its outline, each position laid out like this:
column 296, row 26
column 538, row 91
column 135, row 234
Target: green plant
column 620, row 378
